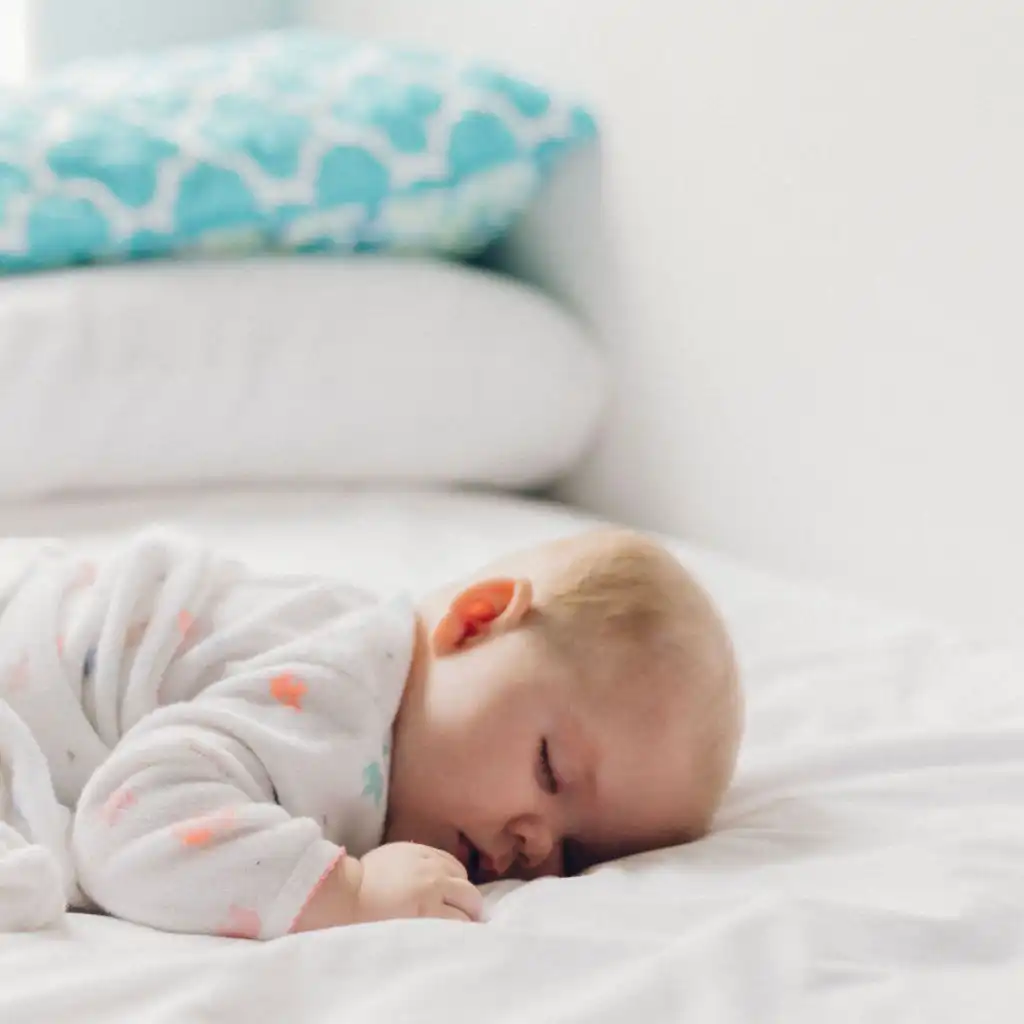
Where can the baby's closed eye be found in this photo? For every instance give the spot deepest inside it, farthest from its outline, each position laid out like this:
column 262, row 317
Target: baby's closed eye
column 549, row 779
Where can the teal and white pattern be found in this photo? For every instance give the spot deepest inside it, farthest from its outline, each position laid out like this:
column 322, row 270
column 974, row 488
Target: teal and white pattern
column 295, row 141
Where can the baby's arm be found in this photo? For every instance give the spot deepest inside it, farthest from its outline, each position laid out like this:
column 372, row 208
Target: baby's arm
column 179, row 829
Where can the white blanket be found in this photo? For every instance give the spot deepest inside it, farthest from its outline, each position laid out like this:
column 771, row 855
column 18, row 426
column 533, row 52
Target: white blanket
column 869, row 866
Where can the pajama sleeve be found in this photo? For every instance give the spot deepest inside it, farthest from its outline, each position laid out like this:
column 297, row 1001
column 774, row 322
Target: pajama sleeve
column 196, row 823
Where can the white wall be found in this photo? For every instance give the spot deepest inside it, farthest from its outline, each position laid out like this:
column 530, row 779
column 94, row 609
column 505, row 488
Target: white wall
column 13, row 41
column 817, row 218
column 61, row 30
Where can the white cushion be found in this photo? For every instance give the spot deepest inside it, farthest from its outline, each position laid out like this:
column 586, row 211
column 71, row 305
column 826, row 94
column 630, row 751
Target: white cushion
column 366, row 370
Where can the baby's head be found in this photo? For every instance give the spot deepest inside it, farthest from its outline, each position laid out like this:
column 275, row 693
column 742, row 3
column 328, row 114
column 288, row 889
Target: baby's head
column 567, row 705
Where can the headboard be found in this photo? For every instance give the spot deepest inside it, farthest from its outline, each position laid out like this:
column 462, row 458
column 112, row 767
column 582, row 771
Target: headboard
column 802, row 252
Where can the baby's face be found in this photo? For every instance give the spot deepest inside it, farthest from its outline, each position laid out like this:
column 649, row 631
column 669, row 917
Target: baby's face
column 504, row 758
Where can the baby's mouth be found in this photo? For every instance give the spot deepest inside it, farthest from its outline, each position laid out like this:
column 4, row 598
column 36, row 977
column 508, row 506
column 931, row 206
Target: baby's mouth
column 475, row 862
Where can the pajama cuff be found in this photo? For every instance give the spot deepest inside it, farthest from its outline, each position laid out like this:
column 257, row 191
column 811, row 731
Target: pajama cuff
column 309, row 874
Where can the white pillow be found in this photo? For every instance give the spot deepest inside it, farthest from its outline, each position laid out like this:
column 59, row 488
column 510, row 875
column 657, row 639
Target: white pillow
column 362, row 370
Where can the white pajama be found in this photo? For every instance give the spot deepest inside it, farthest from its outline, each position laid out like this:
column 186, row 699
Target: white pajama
column 185, row 744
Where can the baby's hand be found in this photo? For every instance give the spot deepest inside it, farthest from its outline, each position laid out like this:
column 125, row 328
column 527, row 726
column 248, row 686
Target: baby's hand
column 395, row 880
column 409, row 880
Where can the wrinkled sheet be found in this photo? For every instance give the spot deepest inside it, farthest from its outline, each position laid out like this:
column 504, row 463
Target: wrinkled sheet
column 868, row 866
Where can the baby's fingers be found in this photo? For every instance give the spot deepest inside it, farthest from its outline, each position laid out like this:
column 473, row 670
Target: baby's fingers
column 452, row 865
column 446, row 913
column 465, row 898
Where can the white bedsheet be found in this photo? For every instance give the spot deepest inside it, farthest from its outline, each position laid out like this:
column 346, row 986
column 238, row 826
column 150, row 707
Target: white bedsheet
column 870, row 864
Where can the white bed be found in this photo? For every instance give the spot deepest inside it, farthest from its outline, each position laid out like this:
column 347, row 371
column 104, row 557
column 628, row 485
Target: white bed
column 870, row 863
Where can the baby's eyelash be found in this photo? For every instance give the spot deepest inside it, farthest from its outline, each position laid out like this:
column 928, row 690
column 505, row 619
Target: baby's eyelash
column 550, row 780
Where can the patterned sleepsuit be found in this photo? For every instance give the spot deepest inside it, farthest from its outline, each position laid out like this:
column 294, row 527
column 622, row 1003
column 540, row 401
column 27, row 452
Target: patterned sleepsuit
column 184, row 743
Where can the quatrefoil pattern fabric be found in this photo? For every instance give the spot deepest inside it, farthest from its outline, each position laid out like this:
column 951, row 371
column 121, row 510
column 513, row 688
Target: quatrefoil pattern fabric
column 291, row 141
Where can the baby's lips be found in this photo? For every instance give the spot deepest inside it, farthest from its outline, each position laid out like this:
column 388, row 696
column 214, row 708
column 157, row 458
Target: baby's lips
column 553, row 866
column 462, row 851
column 492, row 870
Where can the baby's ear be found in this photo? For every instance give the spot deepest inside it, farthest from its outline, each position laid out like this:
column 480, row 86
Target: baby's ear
column 483, row 610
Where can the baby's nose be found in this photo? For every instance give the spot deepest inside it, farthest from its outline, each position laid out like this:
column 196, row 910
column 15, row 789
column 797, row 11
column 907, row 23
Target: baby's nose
column 535, row 844
column 551, row 865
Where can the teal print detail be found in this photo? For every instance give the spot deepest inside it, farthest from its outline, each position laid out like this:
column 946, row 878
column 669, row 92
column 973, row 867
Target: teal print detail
column 13, row 182
column 122, row 158
column 72, row 227
column 295, row 141
column 480, row 142
column 272, row 139
column 350, row 176
column 373, row 783
column 527, row 99
column 213, row 198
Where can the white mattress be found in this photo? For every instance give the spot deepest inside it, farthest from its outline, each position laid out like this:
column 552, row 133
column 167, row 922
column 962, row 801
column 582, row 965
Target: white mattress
column 870, row 863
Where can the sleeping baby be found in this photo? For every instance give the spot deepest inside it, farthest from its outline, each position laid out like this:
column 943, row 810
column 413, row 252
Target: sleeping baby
column 192, row 746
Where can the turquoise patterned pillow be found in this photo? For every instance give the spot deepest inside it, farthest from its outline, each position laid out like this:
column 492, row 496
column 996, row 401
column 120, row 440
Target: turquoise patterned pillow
column 295, row 141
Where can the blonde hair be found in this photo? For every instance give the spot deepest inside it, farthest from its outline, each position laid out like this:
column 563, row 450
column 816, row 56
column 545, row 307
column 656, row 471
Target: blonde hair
column 625, row 611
